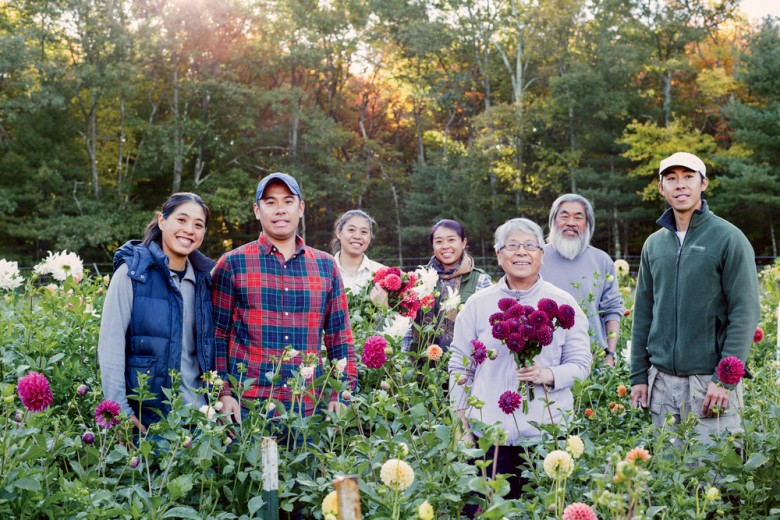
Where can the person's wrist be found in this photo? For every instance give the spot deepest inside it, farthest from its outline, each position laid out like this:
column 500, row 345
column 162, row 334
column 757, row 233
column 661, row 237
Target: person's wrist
column 610, row 353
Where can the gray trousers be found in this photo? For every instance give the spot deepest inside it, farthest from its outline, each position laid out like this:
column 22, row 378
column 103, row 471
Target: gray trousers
column 684, row 396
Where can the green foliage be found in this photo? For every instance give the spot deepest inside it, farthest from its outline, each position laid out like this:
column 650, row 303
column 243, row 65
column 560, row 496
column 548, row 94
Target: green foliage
column 191, row 465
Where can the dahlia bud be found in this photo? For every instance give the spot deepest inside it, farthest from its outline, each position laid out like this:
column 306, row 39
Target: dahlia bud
column 82, row 390
column 388, row 351
column 384, row 385
column 404, row 449
column 134, row 462
column 187, row 441
column 88, row 438
column 713, row 494
column 346, row 395
column 492, row 354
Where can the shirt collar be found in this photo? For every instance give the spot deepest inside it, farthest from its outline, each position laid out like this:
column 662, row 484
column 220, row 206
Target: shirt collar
column 365, row 264
column 267, row 247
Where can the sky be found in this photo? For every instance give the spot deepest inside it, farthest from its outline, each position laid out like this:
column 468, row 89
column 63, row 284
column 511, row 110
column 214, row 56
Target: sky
column 757, row 9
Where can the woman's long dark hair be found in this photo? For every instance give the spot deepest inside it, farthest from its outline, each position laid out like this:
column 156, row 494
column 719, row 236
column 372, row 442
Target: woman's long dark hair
column 153, row 233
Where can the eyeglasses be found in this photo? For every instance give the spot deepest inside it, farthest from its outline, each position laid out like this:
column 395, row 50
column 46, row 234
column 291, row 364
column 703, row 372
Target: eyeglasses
column 529, row 247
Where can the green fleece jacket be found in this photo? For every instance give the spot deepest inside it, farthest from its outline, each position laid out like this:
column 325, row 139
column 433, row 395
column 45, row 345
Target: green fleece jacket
column 696, row 303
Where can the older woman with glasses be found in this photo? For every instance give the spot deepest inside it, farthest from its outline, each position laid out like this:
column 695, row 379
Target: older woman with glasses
column 518, row 246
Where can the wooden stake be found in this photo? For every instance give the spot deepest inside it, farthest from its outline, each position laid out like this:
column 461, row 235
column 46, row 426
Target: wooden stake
column 349, row 497
column 270, row 460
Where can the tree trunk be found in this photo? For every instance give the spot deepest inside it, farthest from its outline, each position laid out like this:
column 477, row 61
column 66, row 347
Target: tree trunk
column 92, row 145
column 121, row 151
column 667, row 77
column 177, row 129
column 616, row 231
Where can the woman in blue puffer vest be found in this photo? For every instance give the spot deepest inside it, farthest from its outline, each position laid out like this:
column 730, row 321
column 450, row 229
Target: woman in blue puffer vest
column 157, row 313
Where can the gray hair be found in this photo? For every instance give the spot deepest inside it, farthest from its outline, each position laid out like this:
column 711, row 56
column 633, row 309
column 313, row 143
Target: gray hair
column 573, row 197
column 522, row 225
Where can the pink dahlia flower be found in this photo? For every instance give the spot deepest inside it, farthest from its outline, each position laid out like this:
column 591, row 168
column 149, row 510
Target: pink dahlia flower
column 35, row 392
column 107, row 414
column 391, row 282
column 505, row 303
column 730, row 370
column 579, row 511
column 509, row 402
column 374, row 352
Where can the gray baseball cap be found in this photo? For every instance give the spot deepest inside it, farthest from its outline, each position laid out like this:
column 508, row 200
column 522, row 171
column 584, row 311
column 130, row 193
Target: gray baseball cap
column 288, row 180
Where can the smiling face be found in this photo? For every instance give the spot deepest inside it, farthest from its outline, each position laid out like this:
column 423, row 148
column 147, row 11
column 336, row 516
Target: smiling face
column 448, row 246
column 182, row 232
column 279, row 212
column 522, row 266
column 355, row 236
column 682, row 188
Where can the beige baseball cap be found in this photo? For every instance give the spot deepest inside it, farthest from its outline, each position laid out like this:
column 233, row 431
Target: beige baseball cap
column 684, row 159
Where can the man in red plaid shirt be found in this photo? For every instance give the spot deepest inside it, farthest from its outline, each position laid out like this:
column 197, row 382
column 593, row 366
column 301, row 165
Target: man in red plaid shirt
column 273, row 300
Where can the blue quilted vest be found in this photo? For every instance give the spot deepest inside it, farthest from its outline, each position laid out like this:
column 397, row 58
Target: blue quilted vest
column 153, row 338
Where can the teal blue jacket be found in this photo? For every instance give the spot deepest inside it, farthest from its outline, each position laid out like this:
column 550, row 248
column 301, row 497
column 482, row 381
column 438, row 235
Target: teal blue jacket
column 696, row 303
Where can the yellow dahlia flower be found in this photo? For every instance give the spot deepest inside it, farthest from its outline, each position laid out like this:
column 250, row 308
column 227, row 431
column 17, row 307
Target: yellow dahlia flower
column 397, row 474
column 425, row 511
column 558, row 464
column 575, row 446
column 330, row 504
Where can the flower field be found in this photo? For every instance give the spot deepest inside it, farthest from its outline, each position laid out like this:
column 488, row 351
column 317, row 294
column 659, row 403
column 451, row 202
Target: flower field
column 66, row 453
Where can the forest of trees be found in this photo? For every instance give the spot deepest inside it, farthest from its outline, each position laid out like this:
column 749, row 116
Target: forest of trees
column 415, row 110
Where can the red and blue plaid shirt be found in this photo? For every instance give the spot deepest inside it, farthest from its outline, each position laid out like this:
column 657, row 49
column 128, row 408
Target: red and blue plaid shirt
column 263, row 304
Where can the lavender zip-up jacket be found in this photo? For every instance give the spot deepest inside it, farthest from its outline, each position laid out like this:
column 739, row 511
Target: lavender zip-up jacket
column 568, row 357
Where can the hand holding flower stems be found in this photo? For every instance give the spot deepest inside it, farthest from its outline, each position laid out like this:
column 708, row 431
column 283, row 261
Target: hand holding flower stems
column 525, row 330
column 730, row 371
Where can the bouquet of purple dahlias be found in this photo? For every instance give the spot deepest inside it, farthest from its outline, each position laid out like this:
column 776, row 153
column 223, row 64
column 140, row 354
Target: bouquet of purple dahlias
column 525, row 330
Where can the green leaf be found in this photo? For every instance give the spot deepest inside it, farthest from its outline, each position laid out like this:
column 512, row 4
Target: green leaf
column 180, row 486
column 755, row 461
column 255, row 504
column 27, row 483
column 182, row 512
column 731, row 459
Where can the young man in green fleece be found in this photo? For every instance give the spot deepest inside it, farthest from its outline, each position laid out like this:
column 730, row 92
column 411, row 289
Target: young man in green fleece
column 696, row 303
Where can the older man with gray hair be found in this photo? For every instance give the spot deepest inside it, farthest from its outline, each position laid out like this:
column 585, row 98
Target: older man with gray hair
column 585, row 272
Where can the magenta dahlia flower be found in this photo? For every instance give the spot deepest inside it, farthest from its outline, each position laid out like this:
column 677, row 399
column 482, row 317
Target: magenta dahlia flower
column 107, row 414
column 538, row 319
column 505, row 303
column 516, row 311
column 501, row 330
column 35, row 392
column 579, row 511
column 549, row 307
column 480, row 352
column 509, row 402
column 758, row 336
column 566, row 316
column 544, row 335
column 374, row 355
column 496, row 317
column 730, row 370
